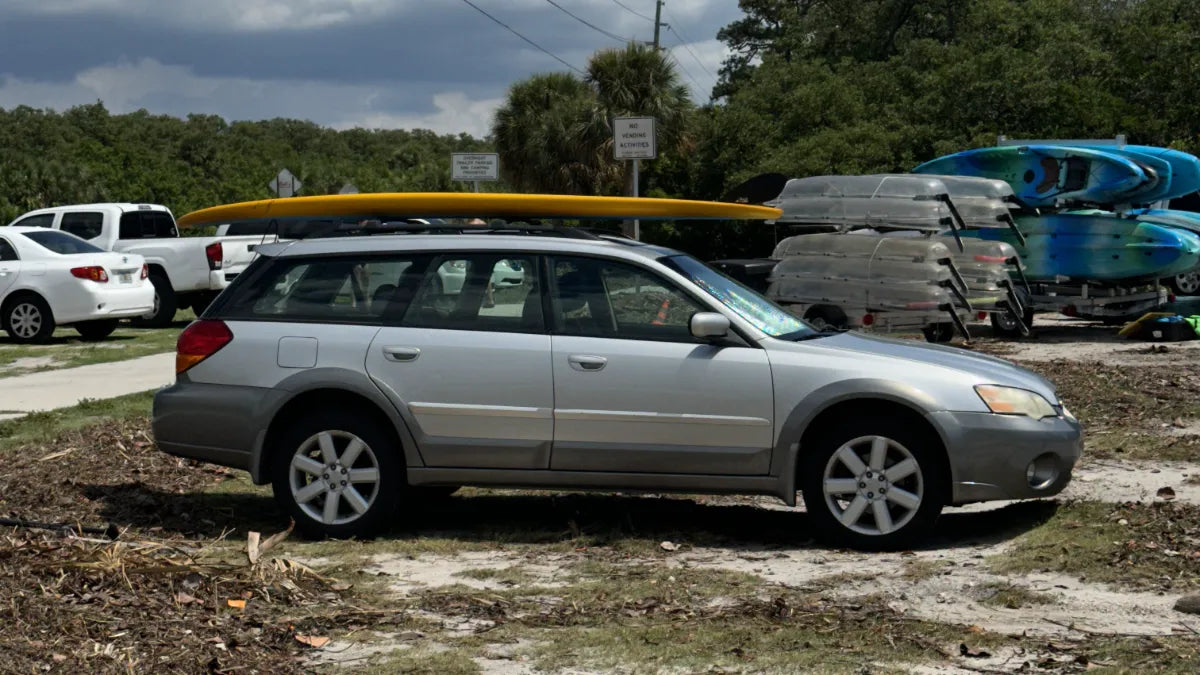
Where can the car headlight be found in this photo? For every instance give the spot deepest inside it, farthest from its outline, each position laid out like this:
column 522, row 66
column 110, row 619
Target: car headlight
column 1013, row 401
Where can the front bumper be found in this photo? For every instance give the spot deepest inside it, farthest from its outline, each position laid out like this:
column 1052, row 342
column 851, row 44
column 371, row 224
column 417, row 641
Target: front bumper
column 989, row 454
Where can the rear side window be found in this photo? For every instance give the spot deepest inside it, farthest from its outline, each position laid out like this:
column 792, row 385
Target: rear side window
column 343, row 289
column 480, row 291
column 147, row 225
column 41, row 220
column 7, row 252
column 85, row 225
column 62, row 243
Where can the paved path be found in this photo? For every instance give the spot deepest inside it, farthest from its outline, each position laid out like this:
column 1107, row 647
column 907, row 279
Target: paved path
column 66, row 387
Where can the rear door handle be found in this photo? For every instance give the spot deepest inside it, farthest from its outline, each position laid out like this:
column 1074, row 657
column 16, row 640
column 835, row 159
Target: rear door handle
column 587, row 363
column 401, row 354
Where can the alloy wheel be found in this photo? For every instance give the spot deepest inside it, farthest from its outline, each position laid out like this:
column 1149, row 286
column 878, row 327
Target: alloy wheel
column 334, row 477
column 25, row 320
column 1188, row 283
column 873, row 485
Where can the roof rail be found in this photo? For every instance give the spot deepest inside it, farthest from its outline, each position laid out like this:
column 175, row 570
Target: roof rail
column 411, row 227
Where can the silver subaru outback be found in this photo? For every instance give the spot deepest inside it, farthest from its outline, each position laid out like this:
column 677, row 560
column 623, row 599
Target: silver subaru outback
column 348, row 375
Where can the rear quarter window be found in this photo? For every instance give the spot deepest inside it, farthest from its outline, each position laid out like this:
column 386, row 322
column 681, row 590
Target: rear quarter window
column 341, row 289
column 85, row 225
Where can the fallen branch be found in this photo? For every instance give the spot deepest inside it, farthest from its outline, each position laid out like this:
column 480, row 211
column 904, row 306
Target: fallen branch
column 71, row 528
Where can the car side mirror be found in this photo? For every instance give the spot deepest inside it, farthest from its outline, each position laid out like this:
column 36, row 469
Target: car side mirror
column 709, row 325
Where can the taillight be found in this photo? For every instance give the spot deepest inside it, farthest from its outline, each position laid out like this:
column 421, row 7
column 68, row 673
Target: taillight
column 868, row 319
column 199, row 341
column 215, row 254
column 145, row 271
column 96, row 274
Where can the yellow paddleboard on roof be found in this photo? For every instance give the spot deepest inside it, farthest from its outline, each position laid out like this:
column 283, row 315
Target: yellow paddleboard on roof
column 385, row 205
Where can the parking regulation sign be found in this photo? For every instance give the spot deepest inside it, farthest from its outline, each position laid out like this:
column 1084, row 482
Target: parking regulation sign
column 478, row 166
column 633, row 138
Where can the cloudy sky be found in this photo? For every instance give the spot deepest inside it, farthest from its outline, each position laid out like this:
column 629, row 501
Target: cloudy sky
column 436, row 64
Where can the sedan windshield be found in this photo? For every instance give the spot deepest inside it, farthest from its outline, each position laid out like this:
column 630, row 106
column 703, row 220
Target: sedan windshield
column 754, row 308
column 62, row 243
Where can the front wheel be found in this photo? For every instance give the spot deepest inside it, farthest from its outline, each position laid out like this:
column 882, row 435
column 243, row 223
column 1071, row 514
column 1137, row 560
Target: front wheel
column 96, row 330
column 873, row 484
column 338, row 473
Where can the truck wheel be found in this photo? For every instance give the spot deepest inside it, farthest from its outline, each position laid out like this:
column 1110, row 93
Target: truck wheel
column 873, row 483
column 1185, row 284
column 938, row 332
column 96, row 330
column 28, row 319
column 201, row 301
column 164, row 304
column 1005, row 324
column 339, row 473
column 825, row 316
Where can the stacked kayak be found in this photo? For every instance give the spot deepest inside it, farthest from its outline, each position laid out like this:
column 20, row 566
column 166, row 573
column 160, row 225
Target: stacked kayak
column 1085, row 226
column 869, row 272
column 901, row 201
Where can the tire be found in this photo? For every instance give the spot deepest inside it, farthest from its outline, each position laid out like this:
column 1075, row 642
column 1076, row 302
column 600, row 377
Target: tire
column 939, row 332
column 96, row 330
column 165, row 304
column 825, row 316
column 27, row 319
column 300, row 465
column 1186, row 284
column 913, row 500
column 1004, row 324
column 201, row 301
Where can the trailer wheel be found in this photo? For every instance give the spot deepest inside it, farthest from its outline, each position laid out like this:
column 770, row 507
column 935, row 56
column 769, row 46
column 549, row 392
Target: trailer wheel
column 825, row 316
column 939, row 332
column 1005, row 323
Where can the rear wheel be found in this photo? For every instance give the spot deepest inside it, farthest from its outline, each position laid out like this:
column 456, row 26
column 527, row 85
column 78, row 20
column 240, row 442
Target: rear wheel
column 28, row 319
column 165, row 304
column 874, row 483
column 825, row 316
column 96, row 330
column 338, row 473
column 201, row 301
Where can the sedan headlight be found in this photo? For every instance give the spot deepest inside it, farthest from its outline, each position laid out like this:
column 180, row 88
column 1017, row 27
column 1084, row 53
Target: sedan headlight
column 1013, row 401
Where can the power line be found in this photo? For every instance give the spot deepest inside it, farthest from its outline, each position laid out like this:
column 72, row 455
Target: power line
column 685, row 70
column 589, row 24
column 514, row 32
column 684, row 42
column 633, row 12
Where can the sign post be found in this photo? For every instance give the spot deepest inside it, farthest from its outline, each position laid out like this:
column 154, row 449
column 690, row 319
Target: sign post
column 475, row 167
column 285, row 184
column 634, row 139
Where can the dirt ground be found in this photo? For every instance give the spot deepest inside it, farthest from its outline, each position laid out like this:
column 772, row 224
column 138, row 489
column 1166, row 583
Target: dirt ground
column 520, row 582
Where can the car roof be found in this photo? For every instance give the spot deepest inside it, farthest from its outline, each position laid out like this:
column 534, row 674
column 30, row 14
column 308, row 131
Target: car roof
column 123, row 206
column 388, row 243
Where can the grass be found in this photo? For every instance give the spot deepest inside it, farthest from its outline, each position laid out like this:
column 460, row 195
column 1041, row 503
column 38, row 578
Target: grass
column 920, row 570
column 510, row 576
column 49, row 424
column 68, row 350
column 1139, row 546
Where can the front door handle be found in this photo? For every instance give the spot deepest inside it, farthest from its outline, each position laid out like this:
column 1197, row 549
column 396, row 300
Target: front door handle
column 587, row 363
column 401, row 354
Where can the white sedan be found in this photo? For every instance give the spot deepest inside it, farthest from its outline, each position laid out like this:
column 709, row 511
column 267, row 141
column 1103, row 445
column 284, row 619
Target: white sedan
column 50, row 278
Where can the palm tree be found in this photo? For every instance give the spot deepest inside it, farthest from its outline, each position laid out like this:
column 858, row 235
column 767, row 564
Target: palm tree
column 549, row 133
column 641, row 81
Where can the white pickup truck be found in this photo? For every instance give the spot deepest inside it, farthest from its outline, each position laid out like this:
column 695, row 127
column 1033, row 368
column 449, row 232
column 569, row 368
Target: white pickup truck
column 186, row 271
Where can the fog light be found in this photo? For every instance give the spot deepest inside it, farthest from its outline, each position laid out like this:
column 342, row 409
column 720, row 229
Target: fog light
column 1042, row 471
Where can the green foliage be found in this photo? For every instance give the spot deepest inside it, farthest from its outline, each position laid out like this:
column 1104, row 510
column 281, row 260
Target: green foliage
column 87, row 155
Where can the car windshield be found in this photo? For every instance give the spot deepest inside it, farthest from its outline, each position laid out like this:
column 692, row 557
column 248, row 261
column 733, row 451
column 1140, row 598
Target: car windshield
column 754, row 308
column 62, row 243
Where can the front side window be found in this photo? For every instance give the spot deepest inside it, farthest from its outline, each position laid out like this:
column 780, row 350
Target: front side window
column 343, row 289
column 7, row 252
column 40, row 220
column 62, row 243
column 601, row 298
column 480, row 291
column 86, row 225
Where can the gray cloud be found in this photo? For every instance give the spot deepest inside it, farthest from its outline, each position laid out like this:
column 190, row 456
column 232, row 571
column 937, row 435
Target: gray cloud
column 385, row 63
